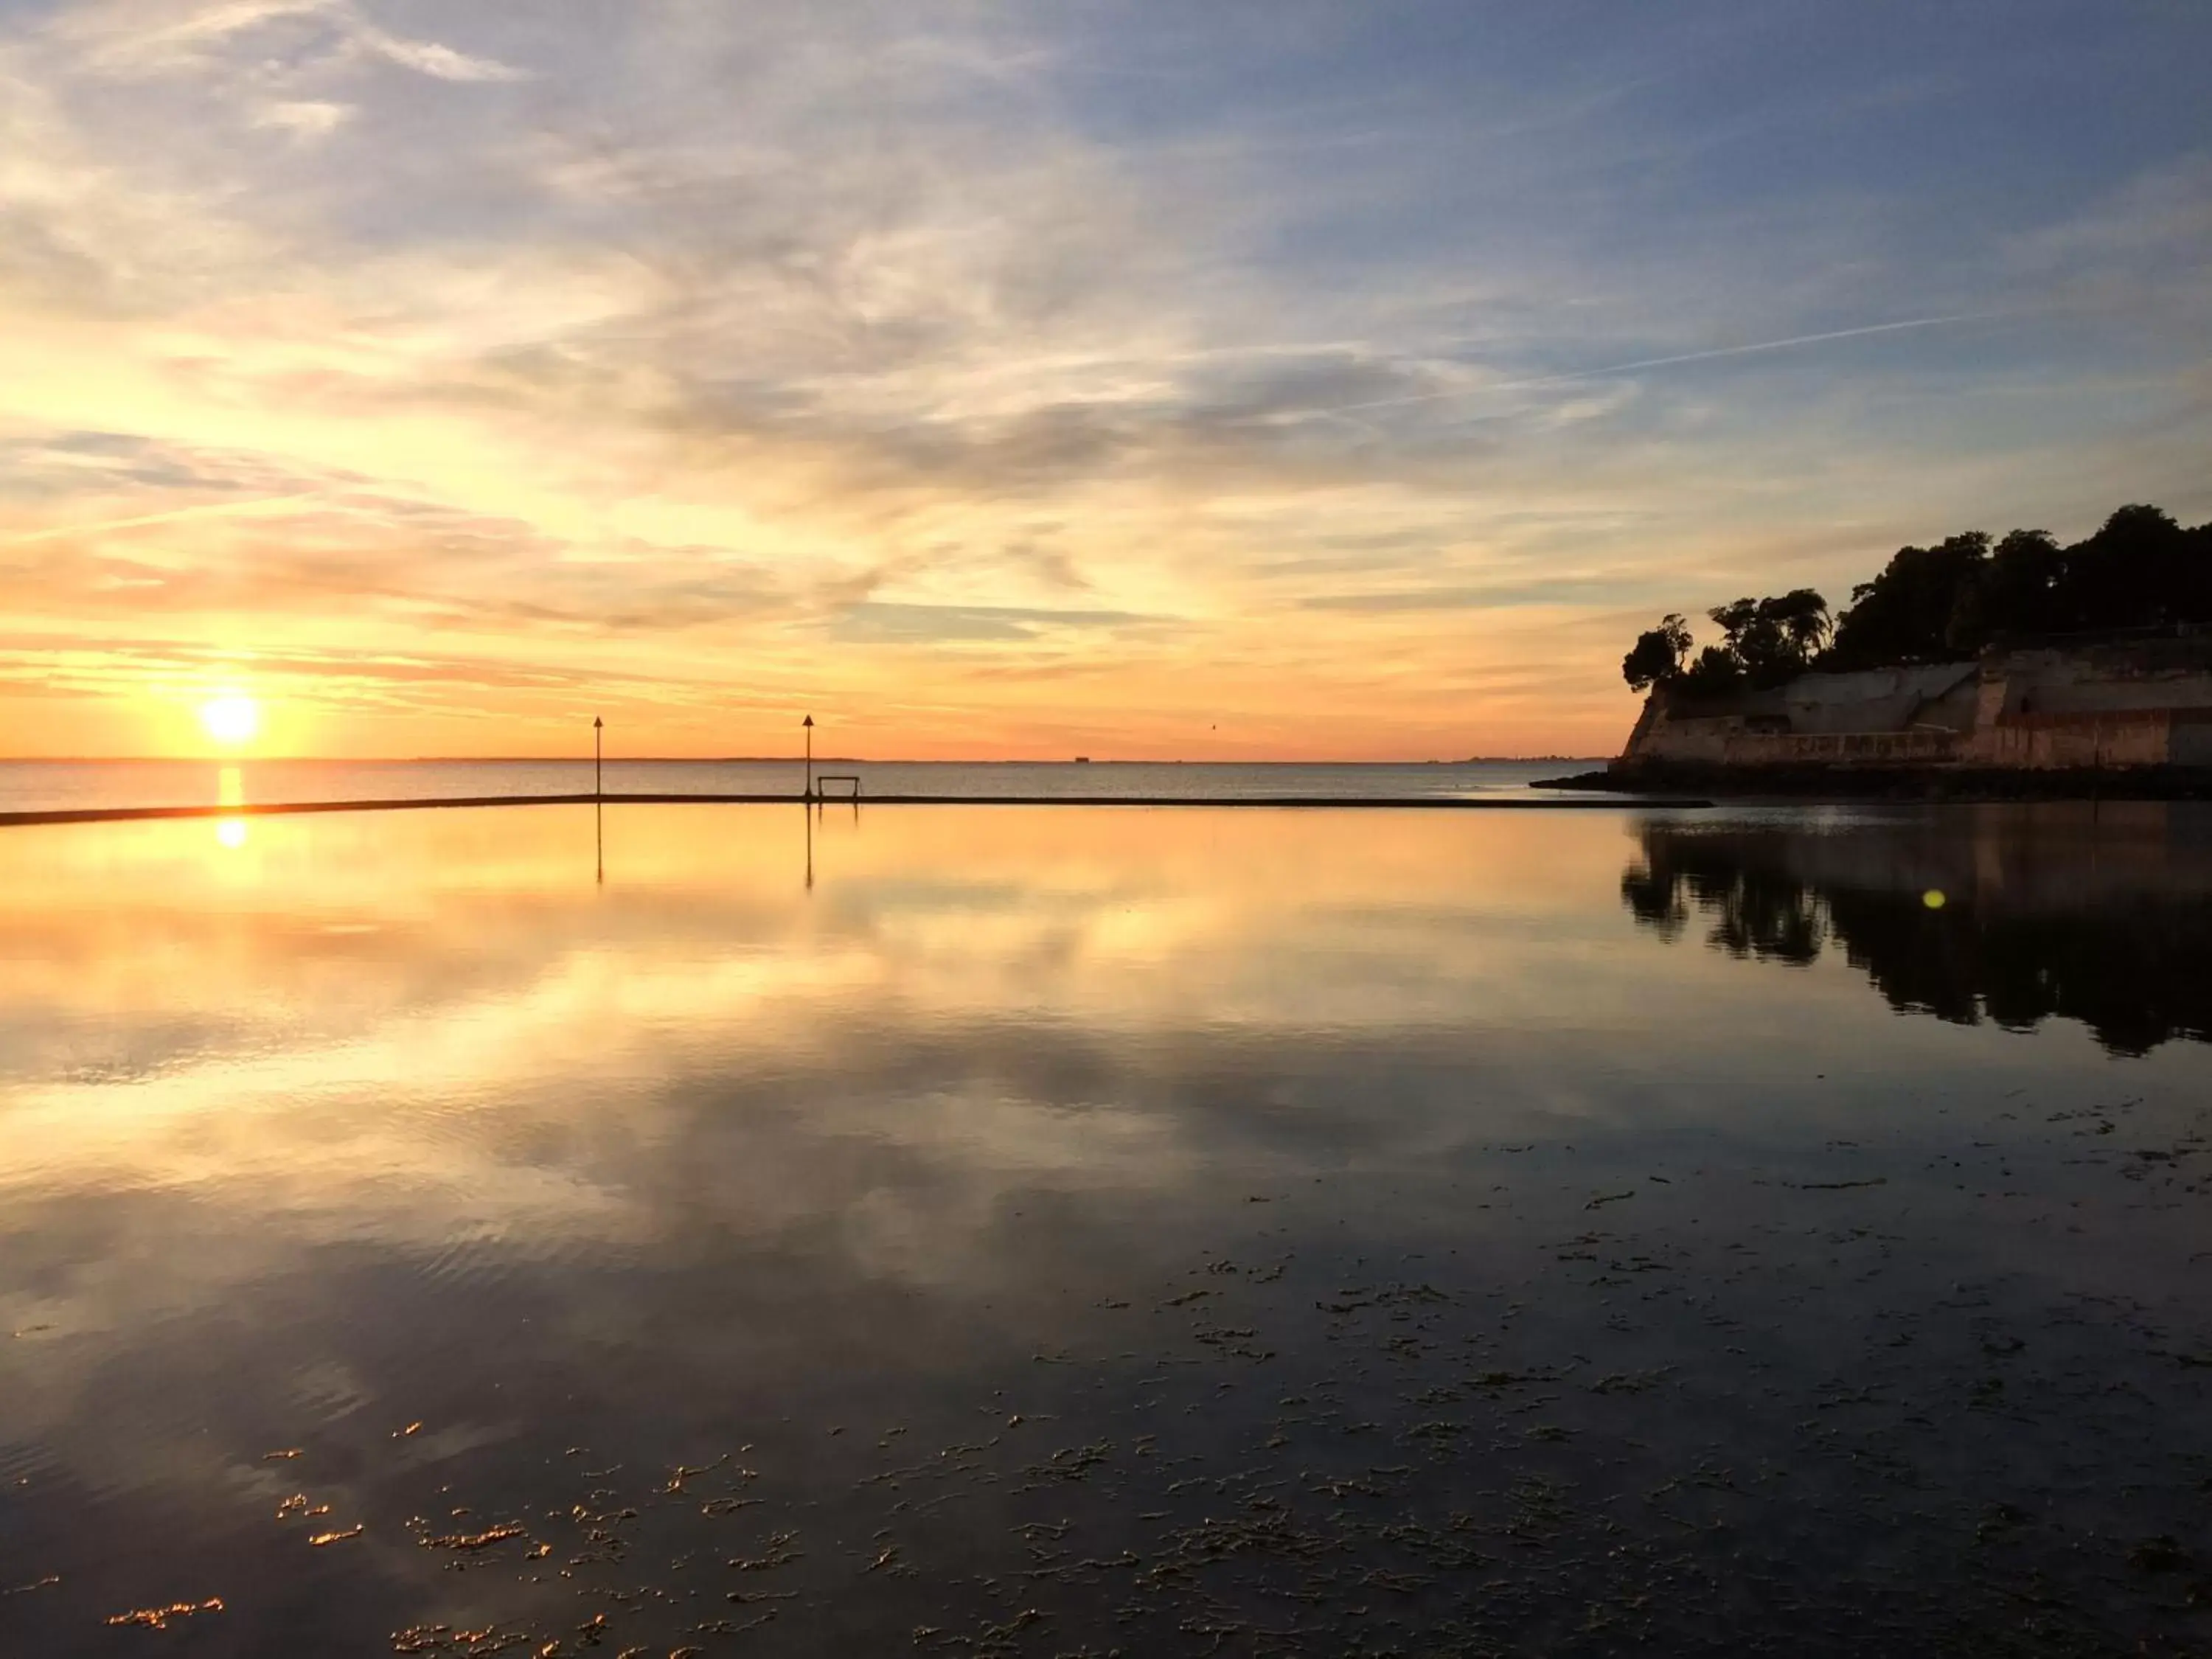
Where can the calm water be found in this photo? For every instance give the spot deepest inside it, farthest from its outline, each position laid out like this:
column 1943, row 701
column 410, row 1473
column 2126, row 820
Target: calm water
column 47, row 786
column 1056, row 1232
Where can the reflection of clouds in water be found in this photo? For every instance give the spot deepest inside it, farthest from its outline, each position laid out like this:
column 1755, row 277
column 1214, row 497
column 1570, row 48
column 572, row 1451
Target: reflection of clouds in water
column 417, row 1125
column 432, row 1025
column 432, row 1029
column 428, row 1038
column 336, row 931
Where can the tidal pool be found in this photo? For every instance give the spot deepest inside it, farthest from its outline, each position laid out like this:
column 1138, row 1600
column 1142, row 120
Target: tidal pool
column 1073, row 1231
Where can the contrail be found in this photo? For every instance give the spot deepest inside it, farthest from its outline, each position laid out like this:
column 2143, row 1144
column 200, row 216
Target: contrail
column 1656, row 362
column 208, row 510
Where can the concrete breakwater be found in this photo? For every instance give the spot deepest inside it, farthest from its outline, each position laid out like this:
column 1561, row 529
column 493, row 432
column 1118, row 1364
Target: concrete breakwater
column 1301, row 803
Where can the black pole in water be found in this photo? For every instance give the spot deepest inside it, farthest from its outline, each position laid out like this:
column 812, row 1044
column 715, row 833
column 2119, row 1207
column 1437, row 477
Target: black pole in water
column 809, row 724
column 597, row 725
column 598, row 808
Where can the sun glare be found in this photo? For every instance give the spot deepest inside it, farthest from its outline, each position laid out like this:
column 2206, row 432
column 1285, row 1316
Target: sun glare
column 233, row 717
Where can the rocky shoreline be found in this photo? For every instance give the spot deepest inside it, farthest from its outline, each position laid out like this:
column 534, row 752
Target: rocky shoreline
column 1892, row 783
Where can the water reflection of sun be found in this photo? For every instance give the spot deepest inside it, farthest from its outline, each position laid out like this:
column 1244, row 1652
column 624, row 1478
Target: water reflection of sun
column 230, row 791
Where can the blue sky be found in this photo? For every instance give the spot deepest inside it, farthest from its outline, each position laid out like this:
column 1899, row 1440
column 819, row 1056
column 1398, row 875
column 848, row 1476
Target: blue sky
column 1026, row 380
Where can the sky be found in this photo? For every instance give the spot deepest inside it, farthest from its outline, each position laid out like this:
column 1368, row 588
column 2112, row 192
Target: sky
column 1249, row 380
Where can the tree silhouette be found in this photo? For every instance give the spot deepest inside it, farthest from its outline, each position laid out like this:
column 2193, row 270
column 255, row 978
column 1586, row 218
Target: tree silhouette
column 1950, row 602
column 1657, row 654
column 2141, row 569
column 1905, row 614
column 2136, row 966
column 1764, row 643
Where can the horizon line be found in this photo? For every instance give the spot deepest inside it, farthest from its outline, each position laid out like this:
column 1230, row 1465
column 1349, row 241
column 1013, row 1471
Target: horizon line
column 738, row 760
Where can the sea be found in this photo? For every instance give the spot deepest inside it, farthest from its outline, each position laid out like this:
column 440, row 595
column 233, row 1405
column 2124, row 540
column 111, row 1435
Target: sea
column 701, row 1230
column 53, row 785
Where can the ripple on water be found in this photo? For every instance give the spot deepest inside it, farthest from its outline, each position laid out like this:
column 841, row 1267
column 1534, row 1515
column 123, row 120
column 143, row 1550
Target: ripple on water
column 29, row 1462
column 326, row 1390
column 486, row 1260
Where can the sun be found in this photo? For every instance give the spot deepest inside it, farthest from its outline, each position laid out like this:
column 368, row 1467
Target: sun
column 232, row 717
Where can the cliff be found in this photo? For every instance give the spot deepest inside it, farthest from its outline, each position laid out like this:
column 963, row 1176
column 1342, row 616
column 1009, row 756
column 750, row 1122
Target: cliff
column 2133, row 709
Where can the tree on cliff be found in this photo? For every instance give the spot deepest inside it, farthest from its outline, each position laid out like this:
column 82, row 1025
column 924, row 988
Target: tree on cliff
column 1905, row 614
column 1657, row 654
column 1764, row 643
column 1949, row 602
column 1775, row 638
column 2139, row 570
column 2014, row 593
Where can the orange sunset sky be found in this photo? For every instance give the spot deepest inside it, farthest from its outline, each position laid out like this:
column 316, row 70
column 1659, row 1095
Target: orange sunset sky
column 1123, row 380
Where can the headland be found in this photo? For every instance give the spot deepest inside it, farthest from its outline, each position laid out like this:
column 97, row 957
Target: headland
column 1975, row 668
column 2113, row 717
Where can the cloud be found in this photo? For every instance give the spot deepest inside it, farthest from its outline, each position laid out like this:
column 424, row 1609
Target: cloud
column 1552, row 591
column 2140, row 254
column 1753, row 348
column 305, row 118
column 148, row 37
column 674, row 339
column 107, row 527
column 439, row 61
column 916, row 624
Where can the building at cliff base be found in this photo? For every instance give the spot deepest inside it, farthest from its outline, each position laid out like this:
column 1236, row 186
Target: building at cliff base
column 2111, row 706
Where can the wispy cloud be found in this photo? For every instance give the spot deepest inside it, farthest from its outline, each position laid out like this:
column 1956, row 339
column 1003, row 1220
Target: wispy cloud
column 941, row 624
column 260, row 506
column 1568, row 377
column 305, row 118
column 1497, row 596
column 178, row 37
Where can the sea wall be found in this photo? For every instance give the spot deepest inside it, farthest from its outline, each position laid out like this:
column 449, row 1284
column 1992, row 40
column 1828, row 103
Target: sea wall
column 2111, row 706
